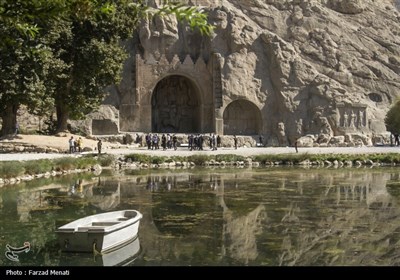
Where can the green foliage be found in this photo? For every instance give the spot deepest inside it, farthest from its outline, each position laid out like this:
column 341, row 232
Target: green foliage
column 157, row 159
column 69, row 163
column 106, row 160
column 66, row 163
column 196, row 18
column 138, row 158
column 198, row 159
column 229, row 158
column 63, row 53
column 38, row 166
column 10, row 169
column 85, row 162
column 392, row 119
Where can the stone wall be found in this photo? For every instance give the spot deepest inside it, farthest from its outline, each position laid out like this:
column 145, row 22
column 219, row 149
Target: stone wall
column 306, row 67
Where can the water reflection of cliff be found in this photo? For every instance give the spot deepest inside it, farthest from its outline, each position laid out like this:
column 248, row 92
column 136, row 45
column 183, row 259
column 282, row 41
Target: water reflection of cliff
column 313, row 217
column 191, row 208
column 56, row 196
column 360, row 229
column 247, row 217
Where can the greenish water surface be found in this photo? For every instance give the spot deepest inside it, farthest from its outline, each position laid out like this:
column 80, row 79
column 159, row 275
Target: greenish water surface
column 215, row 217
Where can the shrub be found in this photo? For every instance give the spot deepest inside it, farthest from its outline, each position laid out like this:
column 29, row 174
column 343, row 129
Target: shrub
column 85, row 162
column 198, row 159
column 106, row 160
column 66, row 163
column 38, row 166
column 138, row 158
column 229, row 157
column 10, row 169
column 157, row 159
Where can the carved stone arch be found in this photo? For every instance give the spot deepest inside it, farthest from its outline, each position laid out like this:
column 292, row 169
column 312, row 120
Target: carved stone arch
column 176, row 106
column 242, row 117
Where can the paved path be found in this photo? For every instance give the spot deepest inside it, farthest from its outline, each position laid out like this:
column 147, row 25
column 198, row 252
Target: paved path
column 207, row 151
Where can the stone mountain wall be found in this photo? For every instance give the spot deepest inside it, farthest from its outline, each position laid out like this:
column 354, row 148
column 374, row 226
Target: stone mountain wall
column 325, row 68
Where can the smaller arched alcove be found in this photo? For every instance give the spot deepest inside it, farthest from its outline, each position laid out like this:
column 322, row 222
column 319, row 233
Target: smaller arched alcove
column 242, row 117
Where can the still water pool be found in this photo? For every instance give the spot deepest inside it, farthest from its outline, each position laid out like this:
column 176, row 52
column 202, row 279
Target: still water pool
column 215, row 217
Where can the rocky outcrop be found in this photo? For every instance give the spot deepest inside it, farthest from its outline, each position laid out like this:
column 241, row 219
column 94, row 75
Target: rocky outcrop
column 328, row 67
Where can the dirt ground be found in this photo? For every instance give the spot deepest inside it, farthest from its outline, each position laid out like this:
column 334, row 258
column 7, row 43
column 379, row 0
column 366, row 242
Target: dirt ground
column 59, row 142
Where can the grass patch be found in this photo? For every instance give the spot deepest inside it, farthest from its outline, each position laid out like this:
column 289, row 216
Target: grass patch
column 229, row 158
column 38, row 166
column 10, row 169
column 199, row 159
column 106, row 160
column 66, row 163
column 138, row 158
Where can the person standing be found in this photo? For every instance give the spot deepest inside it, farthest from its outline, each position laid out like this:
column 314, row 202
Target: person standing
column 99, row 146
column 175, row 142
column 261, row 138
column 71, row 145
column 16, row 128
column 218, row 141
column 79, row 144
column 235, row 141
column 295, row 146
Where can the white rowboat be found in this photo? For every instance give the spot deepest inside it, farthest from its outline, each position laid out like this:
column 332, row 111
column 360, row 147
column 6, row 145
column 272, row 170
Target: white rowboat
column 100, row 233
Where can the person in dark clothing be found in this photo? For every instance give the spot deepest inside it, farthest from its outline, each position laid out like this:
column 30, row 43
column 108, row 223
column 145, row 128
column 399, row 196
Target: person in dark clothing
column 175, row 142
column 99, row 146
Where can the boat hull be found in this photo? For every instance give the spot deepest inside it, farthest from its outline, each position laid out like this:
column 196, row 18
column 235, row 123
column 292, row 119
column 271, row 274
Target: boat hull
column 100, row 233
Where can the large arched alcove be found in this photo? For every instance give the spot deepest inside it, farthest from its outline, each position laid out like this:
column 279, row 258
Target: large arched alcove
column 242, row 117
column 175, row 106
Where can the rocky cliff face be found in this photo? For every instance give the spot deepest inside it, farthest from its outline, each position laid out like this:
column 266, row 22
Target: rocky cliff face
column 322, row 67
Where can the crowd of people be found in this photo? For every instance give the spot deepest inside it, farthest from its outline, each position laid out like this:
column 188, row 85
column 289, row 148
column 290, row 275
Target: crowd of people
column 76, row 146
column 168, row 141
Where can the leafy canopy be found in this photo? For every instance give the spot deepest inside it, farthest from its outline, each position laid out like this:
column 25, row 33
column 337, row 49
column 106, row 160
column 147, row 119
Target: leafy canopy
column 392, row 119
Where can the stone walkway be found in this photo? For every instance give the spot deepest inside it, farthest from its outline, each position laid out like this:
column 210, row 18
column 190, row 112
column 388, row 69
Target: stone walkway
column 207, row 151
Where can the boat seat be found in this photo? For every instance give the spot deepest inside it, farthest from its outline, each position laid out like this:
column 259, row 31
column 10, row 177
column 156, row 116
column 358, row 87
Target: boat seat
column 130, row 214
column 91, row 229
column 104, row 224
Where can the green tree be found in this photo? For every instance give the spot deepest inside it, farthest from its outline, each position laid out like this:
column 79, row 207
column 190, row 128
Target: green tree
column 392, row 119
column 22, row 58
column 69, row 51
column 90, row 52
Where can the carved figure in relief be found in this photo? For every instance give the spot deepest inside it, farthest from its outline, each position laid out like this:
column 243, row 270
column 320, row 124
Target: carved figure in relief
column 353, row 119
column 281, row 134
column 361, row 118
column 345, row 119
column 299, row 127
column 325, row 126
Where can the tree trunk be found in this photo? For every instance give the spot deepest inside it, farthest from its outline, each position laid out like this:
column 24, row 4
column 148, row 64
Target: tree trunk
column 62, row 118
column 9, row 117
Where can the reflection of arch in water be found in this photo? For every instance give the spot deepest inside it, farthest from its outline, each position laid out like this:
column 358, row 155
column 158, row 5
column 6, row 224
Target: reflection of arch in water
column 242, row 223
column 105, row 197
column 175, row 106
column 176, row 214
column 242, row 117
column 185, row 208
